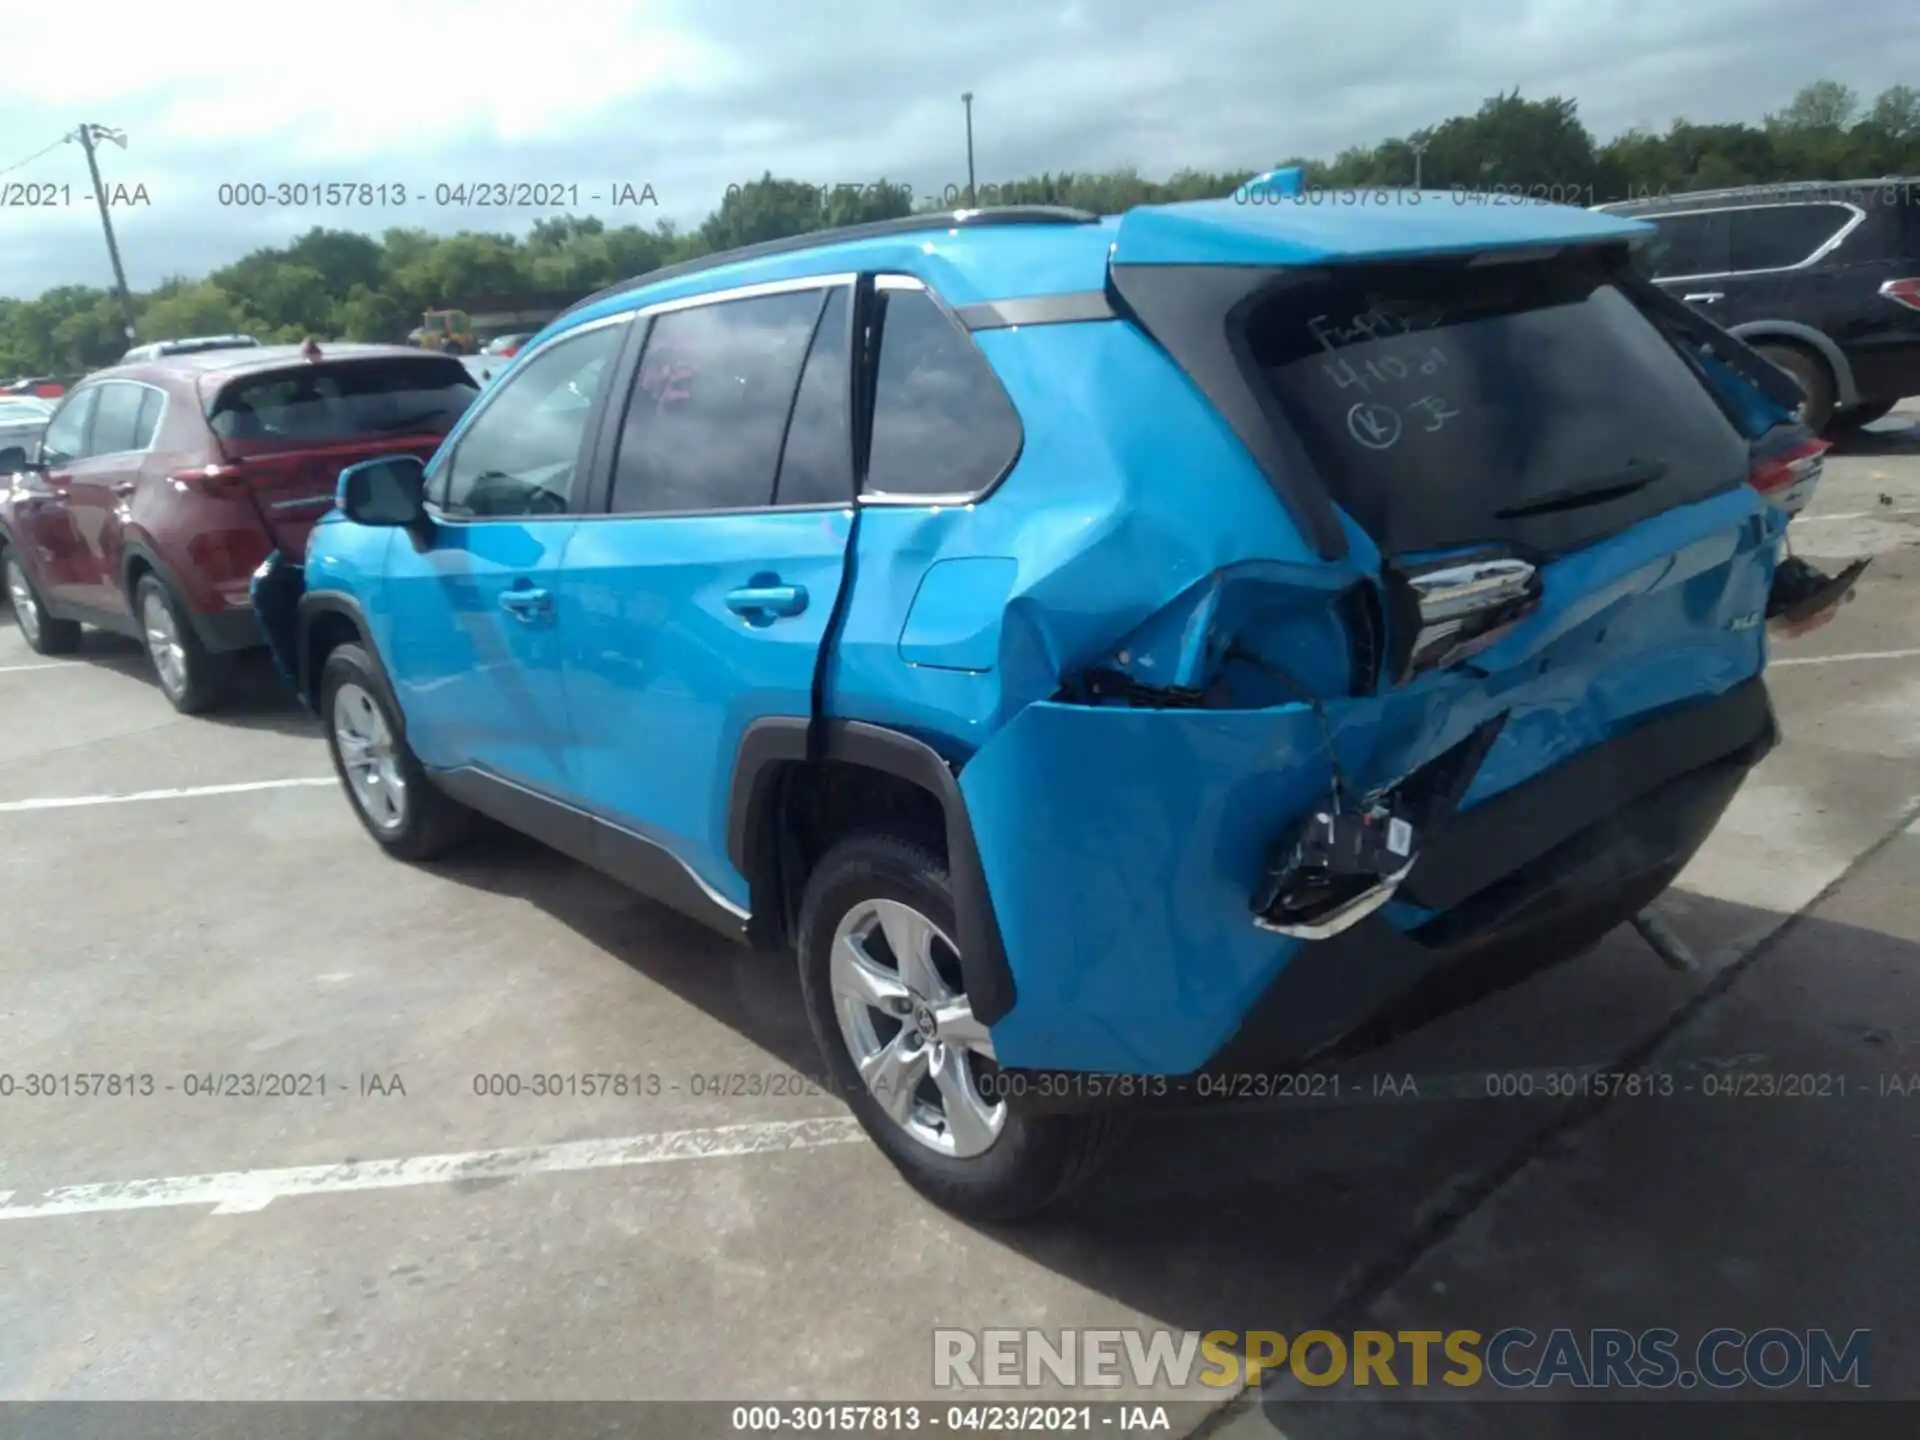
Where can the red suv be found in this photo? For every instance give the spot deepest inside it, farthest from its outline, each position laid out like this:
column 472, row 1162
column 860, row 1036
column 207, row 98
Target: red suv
column 157, row 488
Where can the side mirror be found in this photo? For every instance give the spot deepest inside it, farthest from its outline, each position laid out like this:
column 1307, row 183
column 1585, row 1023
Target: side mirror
column 13, row 458
column 389, row 491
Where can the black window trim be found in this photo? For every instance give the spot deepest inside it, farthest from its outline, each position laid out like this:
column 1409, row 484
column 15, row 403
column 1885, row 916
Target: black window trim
column 1832, row 243
column 586, row 483
column 606, row 454
column 158, row 424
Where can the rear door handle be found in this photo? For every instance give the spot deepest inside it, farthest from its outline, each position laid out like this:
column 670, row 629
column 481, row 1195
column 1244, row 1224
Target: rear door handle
column 767, row 600
column 526, row 602
column 126, row 487
column 1705, row 297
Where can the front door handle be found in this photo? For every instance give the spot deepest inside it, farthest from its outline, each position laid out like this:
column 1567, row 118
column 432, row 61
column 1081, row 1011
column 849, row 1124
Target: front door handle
column 126, row 487
column 527, row 602
column 753, row 600
column 1705, row 297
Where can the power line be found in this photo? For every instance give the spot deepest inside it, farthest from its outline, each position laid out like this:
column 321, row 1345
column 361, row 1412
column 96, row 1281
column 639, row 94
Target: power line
column 36, row 155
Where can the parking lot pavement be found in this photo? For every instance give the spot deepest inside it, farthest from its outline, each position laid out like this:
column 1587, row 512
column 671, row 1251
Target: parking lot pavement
column 718, row 1230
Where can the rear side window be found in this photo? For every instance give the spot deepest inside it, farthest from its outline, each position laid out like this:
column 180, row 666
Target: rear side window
column 151, row 404
column 709, row 405
column 941, row 423
column 314, row 403
column 1447, row 405
column 1774, row 237
column 116, row 420
column 816, row 464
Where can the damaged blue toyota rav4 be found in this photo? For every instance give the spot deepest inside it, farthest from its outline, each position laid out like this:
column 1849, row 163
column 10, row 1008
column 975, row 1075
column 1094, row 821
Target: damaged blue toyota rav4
column 1116, row 656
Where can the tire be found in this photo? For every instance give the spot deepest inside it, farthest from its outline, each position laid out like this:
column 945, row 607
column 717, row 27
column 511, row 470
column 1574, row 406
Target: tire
column 415, row 820
column 1031, row 1161
column 1862, row 415
column 44, row 634
column 1815, row 379
column 191, row 676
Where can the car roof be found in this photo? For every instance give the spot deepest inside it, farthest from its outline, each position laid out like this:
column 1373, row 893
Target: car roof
column 223, row 365
column 1018, row 252
column 1780, row 193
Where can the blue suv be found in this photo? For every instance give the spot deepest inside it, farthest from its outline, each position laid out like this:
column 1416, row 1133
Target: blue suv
column 1122, row 658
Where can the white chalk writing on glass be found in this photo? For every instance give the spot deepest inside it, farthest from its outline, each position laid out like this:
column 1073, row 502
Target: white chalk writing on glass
column 1437, row 411
column 1374, row 425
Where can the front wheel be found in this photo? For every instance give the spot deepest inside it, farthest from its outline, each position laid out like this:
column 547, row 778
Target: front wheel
column 43, row 633
column 399, row 806
column 888, row 1006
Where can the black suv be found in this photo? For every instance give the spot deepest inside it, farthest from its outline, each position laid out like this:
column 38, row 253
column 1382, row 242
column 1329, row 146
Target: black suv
column 1822, row 277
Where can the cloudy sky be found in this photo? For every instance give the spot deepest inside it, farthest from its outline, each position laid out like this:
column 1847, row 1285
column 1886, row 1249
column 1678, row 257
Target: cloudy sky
column 690, row 95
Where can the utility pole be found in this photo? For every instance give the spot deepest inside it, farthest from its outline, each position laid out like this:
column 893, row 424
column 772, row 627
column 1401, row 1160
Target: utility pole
column 972, row 196
column 87, row 135
column 1419, row 148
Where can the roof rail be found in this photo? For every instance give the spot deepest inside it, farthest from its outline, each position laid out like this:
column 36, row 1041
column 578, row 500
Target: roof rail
column 868, row 230
column 1762, row 187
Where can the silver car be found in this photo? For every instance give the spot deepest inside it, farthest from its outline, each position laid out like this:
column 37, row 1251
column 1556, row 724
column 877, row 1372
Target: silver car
column 22, row 418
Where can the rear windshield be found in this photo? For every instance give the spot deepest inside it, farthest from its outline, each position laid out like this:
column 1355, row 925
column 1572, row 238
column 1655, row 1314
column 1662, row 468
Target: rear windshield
column 1449, row 404
column 344, row 400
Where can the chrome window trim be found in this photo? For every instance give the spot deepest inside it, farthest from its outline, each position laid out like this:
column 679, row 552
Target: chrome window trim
column 1826, row 248
column 747, row 292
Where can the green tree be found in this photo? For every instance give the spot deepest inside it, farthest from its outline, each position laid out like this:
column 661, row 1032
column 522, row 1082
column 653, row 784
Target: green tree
column 204, row 308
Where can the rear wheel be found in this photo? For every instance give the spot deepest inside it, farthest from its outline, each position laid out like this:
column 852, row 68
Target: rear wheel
column 399, row 806
column 1816, row 411
column 44, row 634
column 888, row 1006
column 190, row 675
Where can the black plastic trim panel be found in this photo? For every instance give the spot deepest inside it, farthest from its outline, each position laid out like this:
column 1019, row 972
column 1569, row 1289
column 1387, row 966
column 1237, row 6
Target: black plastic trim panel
column 753, row 820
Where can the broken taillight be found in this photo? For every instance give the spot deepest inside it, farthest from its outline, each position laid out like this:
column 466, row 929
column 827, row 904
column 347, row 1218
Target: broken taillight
column 1787, row 478
column 1903, row 292
column 1447, row 611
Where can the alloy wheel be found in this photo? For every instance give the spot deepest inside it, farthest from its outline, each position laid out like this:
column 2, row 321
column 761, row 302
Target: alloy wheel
column 370, row 757
column 163, row 643
column 26, row 612
column 910, row 1031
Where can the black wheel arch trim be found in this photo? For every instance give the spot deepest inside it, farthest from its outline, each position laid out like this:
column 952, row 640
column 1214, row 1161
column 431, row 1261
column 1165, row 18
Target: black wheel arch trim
column 315, row 603
column 774, row 741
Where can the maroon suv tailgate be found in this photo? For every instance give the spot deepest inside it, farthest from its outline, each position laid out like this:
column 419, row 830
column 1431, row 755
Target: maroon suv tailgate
column 290, row 428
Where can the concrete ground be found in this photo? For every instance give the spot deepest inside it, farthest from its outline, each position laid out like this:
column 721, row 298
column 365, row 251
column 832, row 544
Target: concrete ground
column 720, row 1231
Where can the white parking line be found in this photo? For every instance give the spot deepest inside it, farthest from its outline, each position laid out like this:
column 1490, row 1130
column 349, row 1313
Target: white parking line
column 239, row 1192
column 67, row 802
column 50, row 665
column 1842, row 659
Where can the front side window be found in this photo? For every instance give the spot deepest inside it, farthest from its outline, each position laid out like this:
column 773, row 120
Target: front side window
column 941, row 423
column 709, row 406
column 519, row 455
column 66, row 437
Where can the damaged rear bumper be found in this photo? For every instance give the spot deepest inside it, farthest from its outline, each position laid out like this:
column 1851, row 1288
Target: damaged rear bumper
column 1527, row 878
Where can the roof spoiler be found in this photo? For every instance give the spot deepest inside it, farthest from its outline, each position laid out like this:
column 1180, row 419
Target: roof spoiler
column 1285, row 182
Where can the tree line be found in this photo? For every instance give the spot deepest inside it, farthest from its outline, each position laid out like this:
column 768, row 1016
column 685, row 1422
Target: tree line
column 344, row 285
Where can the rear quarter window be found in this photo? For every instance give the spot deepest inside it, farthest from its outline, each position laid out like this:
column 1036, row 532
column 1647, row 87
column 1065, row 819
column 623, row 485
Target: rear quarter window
column 1447, row 405
column 313, row 403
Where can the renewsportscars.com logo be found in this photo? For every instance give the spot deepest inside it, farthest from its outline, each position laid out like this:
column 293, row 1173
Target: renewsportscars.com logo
column 1513, row 1358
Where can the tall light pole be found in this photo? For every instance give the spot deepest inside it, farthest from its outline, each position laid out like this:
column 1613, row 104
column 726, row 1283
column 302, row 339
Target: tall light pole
column 1419, row 148
column 967, row 100
column 87, row 135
